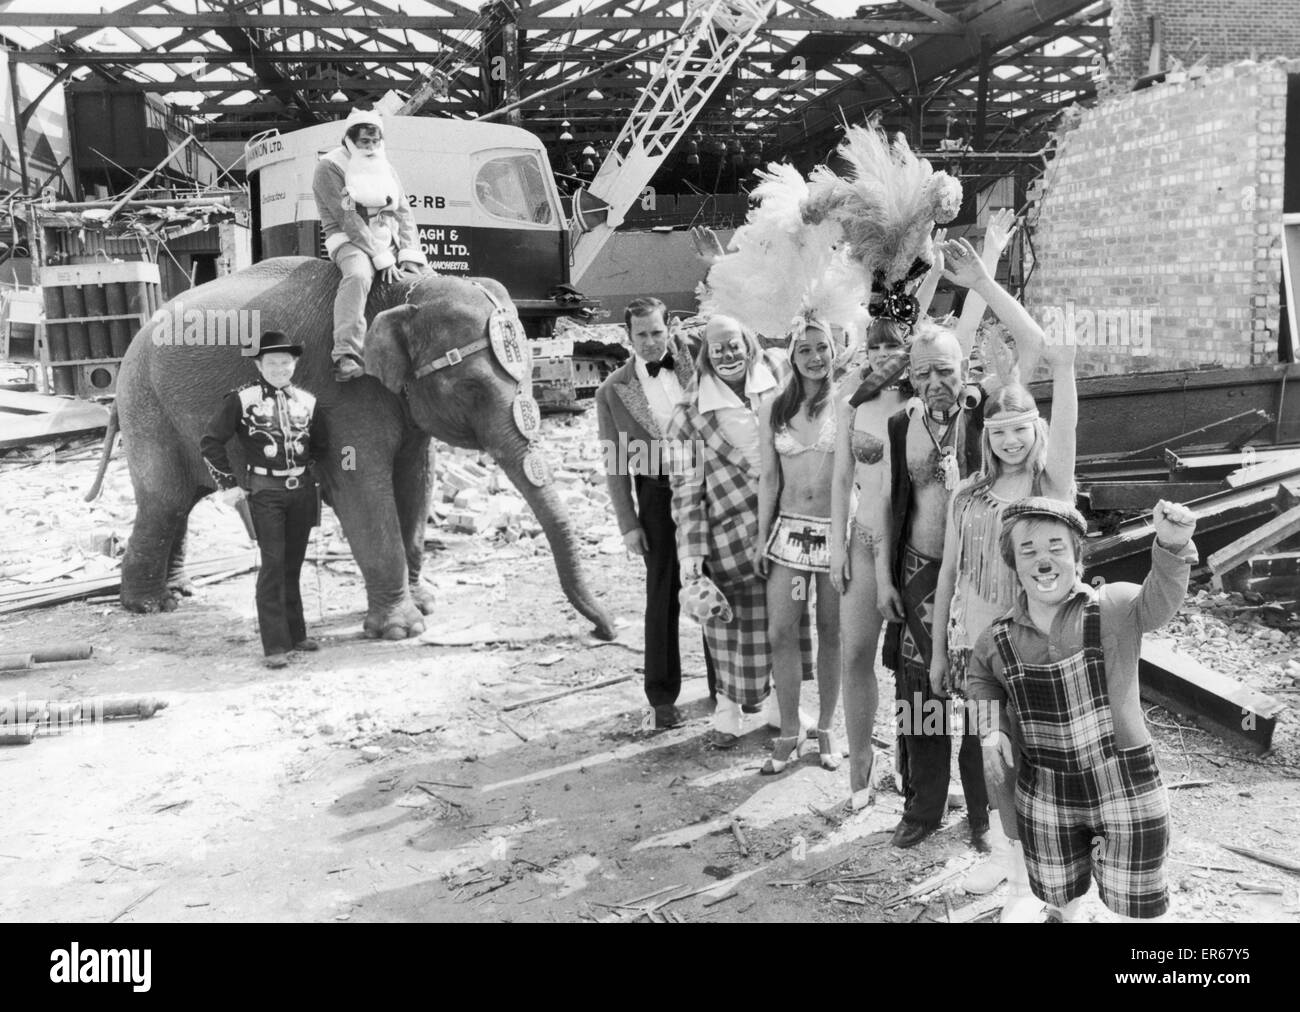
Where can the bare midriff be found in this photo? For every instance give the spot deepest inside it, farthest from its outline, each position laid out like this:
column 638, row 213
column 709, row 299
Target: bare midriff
column 867, row 440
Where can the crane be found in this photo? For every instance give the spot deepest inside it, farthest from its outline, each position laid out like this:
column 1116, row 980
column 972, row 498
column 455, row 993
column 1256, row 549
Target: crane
column 713, row 36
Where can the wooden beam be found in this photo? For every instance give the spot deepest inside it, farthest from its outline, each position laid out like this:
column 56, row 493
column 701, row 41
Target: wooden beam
column 1259, row 540
column 1217, row 703
column 1143, row 495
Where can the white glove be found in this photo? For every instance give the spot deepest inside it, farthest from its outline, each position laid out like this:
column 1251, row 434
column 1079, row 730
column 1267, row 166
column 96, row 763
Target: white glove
column 230, row 496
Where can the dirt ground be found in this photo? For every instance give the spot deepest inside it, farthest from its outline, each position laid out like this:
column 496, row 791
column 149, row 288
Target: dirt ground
column 379, row 781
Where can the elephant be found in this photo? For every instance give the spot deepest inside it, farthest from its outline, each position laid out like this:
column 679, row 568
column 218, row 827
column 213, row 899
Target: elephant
column 379, row 426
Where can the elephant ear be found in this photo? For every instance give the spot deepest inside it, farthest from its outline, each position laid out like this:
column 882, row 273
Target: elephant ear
column 387, row 346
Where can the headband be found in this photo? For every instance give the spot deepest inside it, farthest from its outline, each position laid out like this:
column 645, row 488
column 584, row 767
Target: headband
column 800, row 326
column 1006, row 423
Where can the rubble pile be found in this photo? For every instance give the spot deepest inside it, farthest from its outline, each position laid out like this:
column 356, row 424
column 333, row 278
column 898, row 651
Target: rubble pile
column 471, row 494
column 61, row 537
column 1227, row 632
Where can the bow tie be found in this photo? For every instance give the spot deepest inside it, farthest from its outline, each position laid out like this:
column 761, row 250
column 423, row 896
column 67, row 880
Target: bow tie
column 664, row 363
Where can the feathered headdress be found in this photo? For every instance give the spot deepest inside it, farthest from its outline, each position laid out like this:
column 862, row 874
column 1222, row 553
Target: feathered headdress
column 886, row 209
column 782, row 266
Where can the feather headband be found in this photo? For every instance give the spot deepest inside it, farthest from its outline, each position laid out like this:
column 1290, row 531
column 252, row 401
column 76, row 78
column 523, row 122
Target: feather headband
column 886, row 207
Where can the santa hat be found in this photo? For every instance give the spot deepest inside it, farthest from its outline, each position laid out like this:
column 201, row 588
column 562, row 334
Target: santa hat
column 368, row 117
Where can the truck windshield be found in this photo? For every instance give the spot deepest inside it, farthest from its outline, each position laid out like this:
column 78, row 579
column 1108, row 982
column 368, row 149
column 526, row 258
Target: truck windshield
column 511, row 187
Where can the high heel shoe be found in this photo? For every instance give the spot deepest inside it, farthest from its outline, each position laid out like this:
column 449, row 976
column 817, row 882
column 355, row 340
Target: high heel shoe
column 793, row 749
column 827, row 754
column 863, row 797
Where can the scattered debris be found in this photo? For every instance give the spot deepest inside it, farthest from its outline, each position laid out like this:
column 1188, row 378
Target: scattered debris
column 1264, row 857
column 603, row 683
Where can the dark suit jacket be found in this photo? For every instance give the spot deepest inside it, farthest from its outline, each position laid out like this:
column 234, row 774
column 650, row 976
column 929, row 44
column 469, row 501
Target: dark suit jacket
column 625, row 420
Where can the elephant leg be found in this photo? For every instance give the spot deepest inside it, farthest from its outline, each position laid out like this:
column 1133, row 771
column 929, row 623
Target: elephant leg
column 150, row 552
column 368, row 512
column 411, row 491
column 178, row 580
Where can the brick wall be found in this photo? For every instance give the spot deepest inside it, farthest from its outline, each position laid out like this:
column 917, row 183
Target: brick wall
column 1224, row 30
column 1159, row 229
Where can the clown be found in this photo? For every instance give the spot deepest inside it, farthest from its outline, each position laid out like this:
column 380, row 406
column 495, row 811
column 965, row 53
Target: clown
column 1088, row 796
column 368, row 230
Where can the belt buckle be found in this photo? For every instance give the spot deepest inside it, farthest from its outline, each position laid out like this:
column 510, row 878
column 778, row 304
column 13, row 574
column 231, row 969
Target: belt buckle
column 292, row 482
column 454, row 357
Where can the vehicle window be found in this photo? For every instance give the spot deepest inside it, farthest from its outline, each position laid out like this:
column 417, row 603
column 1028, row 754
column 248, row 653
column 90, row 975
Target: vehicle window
column 511, row 187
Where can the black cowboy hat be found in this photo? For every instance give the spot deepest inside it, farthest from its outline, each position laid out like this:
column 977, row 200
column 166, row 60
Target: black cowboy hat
column 277, row 340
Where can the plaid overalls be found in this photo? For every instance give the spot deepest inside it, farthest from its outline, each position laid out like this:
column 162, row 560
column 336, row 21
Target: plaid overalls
column 1083, row 806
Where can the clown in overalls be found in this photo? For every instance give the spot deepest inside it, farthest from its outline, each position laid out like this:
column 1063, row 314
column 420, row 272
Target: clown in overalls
column 281, row 437
column 1064, row 663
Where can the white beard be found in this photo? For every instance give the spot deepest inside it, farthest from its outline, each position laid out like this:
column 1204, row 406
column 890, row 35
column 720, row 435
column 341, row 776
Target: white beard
column 369, row 179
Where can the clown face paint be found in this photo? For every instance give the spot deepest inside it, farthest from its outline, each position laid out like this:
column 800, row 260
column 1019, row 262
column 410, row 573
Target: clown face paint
column 728, row 352
column 1045, row 560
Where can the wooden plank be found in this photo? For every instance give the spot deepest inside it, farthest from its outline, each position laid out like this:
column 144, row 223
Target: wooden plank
column 22, row 403
column 1205, row 466
column 1259, row 540
column 1276, row 564
column 1124, row 554
column 1275, row 467
column 74, row 418
column 1218, row 703
column 1143, row 495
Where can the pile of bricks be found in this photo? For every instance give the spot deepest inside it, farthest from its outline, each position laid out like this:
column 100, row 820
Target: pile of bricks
column 472, row 495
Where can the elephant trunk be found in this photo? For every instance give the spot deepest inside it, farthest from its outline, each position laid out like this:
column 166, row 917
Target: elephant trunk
column 554, row 518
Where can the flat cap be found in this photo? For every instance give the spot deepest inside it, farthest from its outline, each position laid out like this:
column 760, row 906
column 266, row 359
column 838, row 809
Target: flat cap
column 1041, row 507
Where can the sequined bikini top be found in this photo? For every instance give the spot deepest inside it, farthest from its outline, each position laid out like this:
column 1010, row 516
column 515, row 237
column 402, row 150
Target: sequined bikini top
column 788, row 445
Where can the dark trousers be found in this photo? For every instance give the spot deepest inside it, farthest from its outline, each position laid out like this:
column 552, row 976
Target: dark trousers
column 924, row 760
column 283, row 519
column 663, row 659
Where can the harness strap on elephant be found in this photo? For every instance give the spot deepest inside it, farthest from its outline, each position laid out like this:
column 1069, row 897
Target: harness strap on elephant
column 501, row 337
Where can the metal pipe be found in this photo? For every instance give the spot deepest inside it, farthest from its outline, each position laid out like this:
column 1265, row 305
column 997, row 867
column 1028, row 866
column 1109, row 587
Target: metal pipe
column 223, row 197
column 639, row 55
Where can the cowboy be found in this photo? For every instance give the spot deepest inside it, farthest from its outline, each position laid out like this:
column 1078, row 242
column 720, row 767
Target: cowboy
column 368, row 227
column 281, row 437
column 1089, row 799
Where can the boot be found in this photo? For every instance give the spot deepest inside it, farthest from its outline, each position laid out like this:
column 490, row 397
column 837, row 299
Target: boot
column 1022, row 906
column 989, row 873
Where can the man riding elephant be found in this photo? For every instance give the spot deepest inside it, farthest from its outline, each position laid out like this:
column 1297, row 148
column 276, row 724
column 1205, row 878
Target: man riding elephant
column 368, row 228
column 434, row 370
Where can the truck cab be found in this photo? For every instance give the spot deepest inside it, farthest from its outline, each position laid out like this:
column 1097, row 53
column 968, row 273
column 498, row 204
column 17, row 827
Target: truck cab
column 482, row 195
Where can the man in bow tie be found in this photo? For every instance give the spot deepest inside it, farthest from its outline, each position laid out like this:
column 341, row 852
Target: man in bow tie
column 633, row 407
